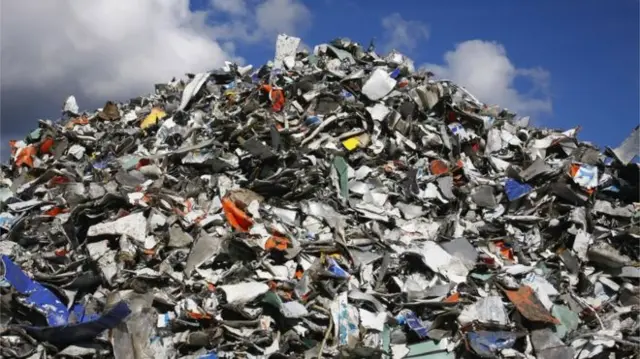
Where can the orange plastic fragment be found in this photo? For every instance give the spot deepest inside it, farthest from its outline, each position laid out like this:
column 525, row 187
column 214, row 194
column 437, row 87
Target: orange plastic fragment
column 438, row 167
column 45, row 146
column 573, row 170
column 505, row 251
column 277, row 100
column 237, row 218
column 55, row 211
column 299, row 274
column 275, row 242
column 453, row 298
column 529, row 305
column 83, row 120
column 61, row 252
column 196, row 315
column 276, row 96
column 26, row 155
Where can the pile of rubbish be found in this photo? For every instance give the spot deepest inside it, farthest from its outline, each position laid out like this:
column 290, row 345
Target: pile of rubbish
column 329, row 204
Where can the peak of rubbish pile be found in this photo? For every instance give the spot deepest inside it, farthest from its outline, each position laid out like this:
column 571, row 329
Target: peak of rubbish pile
column 338, row 203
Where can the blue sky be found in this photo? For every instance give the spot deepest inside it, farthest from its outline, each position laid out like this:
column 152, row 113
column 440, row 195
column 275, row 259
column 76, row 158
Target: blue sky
column 565, row 63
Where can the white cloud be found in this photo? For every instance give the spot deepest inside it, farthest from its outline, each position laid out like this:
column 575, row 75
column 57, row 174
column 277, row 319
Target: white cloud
column 287, row 16
column 264, row 21
column 401, row 34
column 105, row 48
column 485, row 70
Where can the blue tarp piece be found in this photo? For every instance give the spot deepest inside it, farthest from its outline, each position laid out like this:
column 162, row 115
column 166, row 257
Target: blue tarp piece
column 38, row 297
column 336, row 269
column 80, row 313
column 486, row 344
column 81, row 332
column 88, row 326
column 312, row 121
column 413, row 322
column 515, row 189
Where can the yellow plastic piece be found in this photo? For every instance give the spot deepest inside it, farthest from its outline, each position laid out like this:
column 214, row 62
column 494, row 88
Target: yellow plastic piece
column 351, row 143
column 152, row 118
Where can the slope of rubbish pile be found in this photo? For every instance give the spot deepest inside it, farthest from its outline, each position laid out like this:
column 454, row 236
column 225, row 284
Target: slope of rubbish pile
column 338, row 203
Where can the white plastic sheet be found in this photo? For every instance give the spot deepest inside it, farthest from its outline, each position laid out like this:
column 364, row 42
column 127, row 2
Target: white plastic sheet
column 378, row 85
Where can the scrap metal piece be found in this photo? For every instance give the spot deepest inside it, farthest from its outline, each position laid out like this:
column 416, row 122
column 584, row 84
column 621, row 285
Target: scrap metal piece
column 528, row 304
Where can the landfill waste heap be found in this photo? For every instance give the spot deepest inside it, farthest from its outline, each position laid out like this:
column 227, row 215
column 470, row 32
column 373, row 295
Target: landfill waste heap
column 339, row 204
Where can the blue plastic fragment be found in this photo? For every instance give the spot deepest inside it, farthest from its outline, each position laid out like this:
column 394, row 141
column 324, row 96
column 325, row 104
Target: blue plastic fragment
column 346, row 94
column 413, row 322
column 78, row 311
column 612, row 188
column 209, row 356
column 515, row 189
column 59, row 331
column 486, row 344
column 336, row 269
column 101, row 164
column 81, row 332
column 38, row 297
column 312, row 121
column 81, row 315
column 395, row 73
column 456, row 128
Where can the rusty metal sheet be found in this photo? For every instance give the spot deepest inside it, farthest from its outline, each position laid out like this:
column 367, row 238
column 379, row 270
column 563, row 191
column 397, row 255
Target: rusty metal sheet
column 529, row 305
